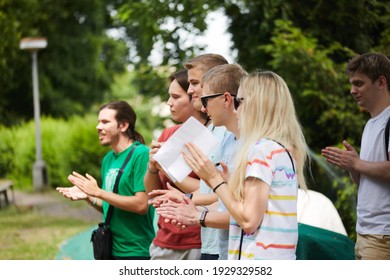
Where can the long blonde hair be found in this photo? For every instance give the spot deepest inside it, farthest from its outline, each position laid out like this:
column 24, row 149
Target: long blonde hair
column 267, row 112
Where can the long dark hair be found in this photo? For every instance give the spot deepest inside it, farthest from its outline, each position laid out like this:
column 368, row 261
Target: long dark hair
column 125, row 113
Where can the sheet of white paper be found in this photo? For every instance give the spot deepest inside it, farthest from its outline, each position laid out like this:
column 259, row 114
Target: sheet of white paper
column 169, row 156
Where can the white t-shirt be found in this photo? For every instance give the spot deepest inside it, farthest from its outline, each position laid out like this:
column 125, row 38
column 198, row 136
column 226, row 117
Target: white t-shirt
column 373, row 206
column 277, row 236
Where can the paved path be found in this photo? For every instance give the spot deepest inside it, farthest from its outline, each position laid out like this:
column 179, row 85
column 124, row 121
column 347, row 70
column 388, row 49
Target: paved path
column 52, row 203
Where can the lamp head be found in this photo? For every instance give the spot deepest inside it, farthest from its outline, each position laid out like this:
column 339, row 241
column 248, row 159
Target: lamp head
column 33, row 43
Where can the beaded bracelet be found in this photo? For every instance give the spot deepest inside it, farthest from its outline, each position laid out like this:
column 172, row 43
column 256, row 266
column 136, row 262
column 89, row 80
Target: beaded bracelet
column 94, row 202
column 217, row 186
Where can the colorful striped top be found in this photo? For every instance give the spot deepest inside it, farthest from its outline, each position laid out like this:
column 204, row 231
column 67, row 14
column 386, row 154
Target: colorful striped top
column 277, row 236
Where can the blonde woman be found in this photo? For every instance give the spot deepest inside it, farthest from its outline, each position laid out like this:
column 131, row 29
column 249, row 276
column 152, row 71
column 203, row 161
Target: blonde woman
column 261, row 194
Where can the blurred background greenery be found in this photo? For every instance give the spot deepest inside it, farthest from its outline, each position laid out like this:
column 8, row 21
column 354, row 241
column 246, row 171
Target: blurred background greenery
column 307, row 42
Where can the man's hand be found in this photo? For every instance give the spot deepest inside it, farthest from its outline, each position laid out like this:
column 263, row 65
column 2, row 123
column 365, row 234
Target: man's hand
column 181, row 215
column 73, row 193
column 345, row 159
column 162, row 196
column 86, row 183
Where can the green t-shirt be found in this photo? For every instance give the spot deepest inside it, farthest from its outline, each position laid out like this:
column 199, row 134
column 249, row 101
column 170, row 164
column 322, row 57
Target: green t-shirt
column 132, row 233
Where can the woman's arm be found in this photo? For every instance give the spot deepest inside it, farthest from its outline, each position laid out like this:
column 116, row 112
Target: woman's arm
column 248, row 213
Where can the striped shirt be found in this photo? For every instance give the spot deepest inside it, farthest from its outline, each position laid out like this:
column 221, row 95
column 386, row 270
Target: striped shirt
column 277, row 236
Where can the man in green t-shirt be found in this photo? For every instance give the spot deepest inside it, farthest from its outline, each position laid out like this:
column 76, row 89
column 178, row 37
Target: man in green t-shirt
column 132, row 219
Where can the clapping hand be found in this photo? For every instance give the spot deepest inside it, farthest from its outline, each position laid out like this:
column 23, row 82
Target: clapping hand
column 86, row 183
column 73, row 193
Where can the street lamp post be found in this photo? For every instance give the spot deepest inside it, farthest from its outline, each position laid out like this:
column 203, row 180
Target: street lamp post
column 34, row 44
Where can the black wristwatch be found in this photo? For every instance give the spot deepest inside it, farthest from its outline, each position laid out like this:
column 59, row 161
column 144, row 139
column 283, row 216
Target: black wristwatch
column 202, row 216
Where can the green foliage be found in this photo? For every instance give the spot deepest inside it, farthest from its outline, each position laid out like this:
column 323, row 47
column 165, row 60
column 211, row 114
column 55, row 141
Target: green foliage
column 76, row 68
column 66, row 146
column 166, row 27
column 6, row 151
column 165, row 23
column 20, row 153
column 384, row 44
column 327, row 21
column 336, row 184
column 318, row 84
column 346, row 203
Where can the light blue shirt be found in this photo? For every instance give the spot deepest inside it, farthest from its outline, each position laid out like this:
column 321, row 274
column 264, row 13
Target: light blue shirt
column 209, row 236
column 228, row 151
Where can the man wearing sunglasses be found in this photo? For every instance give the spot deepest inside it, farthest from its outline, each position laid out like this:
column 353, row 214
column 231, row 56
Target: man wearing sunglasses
column 197, row 67
column 220, row 102
column 236, row 100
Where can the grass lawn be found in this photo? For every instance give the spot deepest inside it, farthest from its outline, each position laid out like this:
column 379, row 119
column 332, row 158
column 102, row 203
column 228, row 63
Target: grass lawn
column 25, row 234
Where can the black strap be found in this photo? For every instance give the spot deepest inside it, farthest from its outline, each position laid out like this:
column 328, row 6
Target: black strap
column 118, row 177
column 387, row 130
column 288, row 153
column 241, row 240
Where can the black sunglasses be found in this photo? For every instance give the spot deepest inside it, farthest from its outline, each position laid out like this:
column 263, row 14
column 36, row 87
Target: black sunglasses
column 237, row 102
column 204, row 99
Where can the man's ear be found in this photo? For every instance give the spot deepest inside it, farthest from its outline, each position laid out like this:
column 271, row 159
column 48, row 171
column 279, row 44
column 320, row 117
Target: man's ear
column 123, row 126
column 382, row 82
column 228, row 98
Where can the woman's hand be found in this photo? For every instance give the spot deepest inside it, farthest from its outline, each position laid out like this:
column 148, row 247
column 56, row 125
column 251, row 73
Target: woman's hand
column 200, row 163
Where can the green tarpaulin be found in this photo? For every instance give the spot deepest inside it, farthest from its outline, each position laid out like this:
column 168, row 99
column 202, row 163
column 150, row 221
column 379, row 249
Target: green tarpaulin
column 319, row 244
